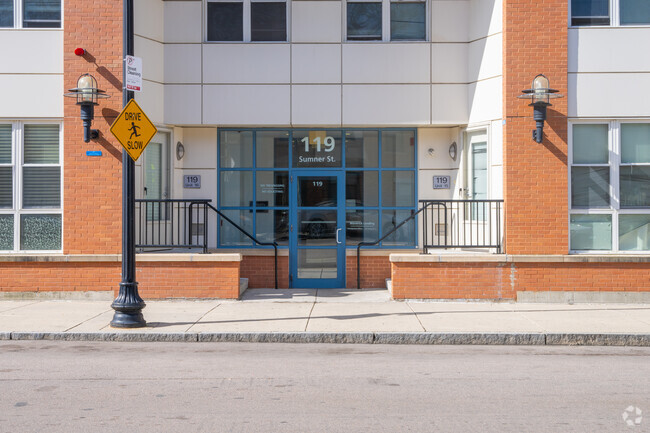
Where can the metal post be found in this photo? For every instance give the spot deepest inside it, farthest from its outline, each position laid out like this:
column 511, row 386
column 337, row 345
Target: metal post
column 128, row 305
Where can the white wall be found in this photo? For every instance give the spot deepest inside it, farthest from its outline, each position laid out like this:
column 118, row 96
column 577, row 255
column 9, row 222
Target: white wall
column 148, row 44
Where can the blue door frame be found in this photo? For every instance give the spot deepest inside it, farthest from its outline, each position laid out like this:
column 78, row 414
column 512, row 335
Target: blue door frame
column 314, row 232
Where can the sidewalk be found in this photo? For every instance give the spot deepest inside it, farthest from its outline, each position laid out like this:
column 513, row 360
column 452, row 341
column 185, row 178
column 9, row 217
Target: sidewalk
column 336, row 316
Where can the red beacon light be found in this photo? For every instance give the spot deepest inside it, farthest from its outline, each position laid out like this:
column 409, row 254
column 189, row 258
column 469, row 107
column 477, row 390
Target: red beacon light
column 79, row 51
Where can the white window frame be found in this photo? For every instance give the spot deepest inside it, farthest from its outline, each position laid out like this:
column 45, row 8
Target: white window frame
column 614, row 209
column 18, row 18
column 614, row 17
column 246, row 16
column 17, row 164
column 385, row 21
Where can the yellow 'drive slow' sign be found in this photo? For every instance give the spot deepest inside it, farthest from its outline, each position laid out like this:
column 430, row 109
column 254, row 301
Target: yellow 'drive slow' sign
column 133, row 129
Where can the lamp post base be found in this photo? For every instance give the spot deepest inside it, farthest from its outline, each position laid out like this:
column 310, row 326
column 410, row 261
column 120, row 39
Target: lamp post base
column 128, row 307
column 128, row 320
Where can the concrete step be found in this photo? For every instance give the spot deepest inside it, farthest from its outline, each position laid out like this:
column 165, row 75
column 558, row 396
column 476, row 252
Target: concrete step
column 243, row 286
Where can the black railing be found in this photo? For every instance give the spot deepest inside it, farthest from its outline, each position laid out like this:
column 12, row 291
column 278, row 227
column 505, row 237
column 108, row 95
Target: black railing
column 452, row 224
column 464, row 224
column 171, row 223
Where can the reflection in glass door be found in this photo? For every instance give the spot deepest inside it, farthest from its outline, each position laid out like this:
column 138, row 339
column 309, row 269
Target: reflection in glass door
column 317, row 235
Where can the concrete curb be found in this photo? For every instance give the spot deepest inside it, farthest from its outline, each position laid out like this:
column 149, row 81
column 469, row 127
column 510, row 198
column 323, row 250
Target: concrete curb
column 512, row 339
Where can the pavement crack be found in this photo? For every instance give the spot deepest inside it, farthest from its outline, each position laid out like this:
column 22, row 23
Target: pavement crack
column 84, row 321
column 309, row 316
column 416, row 316
column 20, row 306
column 205, row 314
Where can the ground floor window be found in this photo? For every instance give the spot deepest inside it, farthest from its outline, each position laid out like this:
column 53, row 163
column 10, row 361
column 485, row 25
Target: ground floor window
column 376, row 168
column 610, row 186
column 30, row 186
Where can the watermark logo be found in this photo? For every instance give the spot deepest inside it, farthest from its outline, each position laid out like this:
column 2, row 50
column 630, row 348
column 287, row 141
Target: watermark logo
column 632, row 416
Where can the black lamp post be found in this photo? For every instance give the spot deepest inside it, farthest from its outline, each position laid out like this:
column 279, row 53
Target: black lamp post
column 87, row 95
column 540, row 93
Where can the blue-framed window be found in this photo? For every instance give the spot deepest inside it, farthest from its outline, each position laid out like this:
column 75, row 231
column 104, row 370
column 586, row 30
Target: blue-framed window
column 256, row 165
column 30, row 14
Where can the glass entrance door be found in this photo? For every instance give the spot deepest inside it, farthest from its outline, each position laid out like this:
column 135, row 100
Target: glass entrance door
column 317, row 252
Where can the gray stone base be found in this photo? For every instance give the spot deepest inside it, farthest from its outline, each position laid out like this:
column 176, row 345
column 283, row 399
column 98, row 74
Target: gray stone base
column 65, row 295
column 585, row 297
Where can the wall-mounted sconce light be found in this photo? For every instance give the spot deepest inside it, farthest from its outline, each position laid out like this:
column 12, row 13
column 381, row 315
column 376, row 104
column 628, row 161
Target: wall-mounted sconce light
column 430, row 152
column 540, row 93
column 87, row 94
column 453, row 150
column 180, row 151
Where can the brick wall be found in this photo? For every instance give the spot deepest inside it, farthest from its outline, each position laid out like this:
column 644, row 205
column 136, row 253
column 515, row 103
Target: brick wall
column 260, row 271
column 374, row 271
column 535, row 174
column 92, row 185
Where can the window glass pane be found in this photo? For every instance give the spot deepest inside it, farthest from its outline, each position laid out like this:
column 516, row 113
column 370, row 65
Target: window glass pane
column 6, row 232
column 407, row 21
column 317, row 227
column 40, row 232
column 268, row 21
column 42, row 13
column 635, row 11
column 591, row 232
column 272, row 188
column 635, row 186
column 362, row 188
column 361, row 148
column 236, row 149
column 364, row 21
column 230, row 235
column 590, row 12
column 398, row 149
column 405, row 235
column 41, row 187
column 6, row 13
column 317, row 264
column 635, row 143
column 272, row 225
column 236, row 188
column 397, row 188
column 6, row 188
column 41, row 144
column 5, row 144
column 317, row 191
column 225, row 21
column 361, row 226
column 272, row 149
column 317, row 148
column 633, row 232
column 590, row 187
column 590, row 144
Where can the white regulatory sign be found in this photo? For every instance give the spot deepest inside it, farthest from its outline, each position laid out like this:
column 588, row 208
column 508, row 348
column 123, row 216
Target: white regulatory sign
column 133, row 73
column 191, row 181
column 441, row 182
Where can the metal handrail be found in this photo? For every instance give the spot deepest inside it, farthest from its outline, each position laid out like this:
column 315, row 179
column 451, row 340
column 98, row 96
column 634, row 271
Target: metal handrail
column 251, row 237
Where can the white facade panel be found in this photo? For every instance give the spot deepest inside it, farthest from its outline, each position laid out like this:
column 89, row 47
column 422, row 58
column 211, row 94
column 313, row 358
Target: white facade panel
column 450, row 20
column 316, row 63
column 148, row 19
column 609, row 95
column 152, row 56
column 485, row 58
column 29, row 96
column 316, row 21
column 496, row 142
column 152, row 100
column 316, row 105
column 485, row 100
column 182, row 63
column 200, row 150
column 183, row 104
column 246, row 105
column 425, row 184
column 246, row 63
column 485, row 18
column 183, row 21
column 438, row 140
column 613, row 49
column 449, row 63
column 386, row 105
column 449, row 104
column 14, row 44
column 386, row 63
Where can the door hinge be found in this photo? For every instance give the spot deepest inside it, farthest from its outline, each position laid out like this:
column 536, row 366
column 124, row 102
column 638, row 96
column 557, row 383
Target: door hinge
column 291, row 228
column 291, row 178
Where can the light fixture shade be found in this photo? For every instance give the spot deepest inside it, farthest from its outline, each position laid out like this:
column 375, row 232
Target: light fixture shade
column 87, row 85
column 541, row 89
column 453, row 150
column 180, row 151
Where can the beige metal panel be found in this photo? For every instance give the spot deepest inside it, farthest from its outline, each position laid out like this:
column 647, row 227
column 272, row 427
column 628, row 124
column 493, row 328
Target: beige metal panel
column 246, row 63
column 385, row 105
column 246, row 105
column 14, row 44
column 316, row 63
column 316, row 21
column 316, row 105
column 388, row 63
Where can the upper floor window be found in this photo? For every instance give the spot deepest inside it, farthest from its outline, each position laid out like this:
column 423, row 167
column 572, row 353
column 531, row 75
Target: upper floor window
column 610, row 12
column 386, row 20
column 247, row 21
column 30, row 13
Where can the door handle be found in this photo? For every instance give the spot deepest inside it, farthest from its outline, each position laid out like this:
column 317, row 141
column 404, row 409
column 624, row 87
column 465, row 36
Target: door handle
column 337, row 235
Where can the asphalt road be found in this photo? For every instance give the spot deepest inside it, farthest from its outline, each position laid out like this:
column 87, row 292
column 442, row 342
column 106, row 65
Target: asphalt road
column 223, row 387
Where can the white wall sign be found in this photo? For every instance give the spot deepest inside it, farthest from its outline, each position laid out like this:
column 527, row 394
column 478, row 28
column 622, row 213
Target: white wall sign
column 133, row 73
column 192, row 181
column 441, row 182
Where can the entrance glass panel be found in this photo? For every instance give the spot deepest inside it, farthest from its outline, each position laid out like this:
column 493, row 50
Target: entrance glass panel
column 317, row 252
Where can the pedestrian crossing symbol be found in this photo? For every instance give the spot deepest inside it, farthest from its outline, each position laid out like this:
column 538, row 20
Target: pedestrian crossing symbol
column 133, row 129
